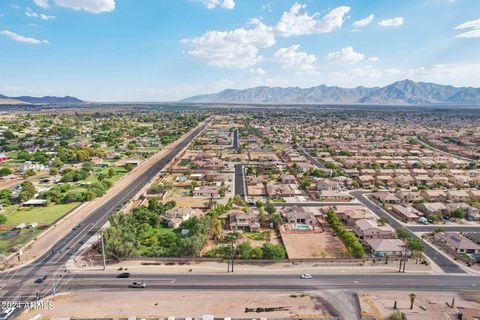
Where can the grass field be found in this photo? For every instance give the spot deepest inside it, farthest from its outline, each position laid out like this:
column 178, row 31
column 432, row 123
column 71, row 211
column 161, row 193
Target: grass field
column 119, row 173
column 9, row 239
column 43, row 215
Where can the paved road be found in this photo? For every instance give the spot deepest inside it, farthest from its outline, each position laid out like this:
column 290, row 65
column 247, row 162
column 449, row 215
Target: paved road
column 443, row 262
column 443, row 152
column 315, row 204
column 48, row 264
column 447, row 228
column 240, row 181
column 235, row 145
column 317, row 163
column 228, row 281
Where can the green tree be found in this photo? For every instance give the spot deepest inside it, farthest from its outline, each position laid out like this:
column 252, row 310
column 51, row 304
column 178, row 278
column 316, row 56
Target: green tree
column 412, row 297
column 270, row 208
column 397, row 315
column 273, row 251
column 3, row 219
column 5, row 172
column 27, row 191
column 245, row 250
column 457, row 214
column 8, row 134
column 402, row 233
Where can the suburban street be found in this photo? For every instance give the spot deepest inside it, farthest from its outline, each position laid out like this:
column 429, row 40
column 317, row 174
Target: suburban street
column 443, row 262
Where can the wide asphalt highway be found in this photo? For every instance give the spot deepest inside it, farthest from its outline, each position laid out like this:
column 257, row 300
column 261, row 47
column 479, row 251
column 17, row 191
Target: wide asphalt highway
column 60, row 253
column 443, row 262
column 228, row 281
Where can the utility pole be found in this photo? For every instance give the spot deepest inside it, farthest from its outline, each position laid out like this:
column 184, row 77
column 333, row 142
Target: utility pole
column 103, row 252
column 233, row 254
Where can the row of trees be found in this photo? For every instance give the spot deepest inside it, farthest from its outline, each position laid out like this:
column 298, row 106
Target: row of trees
column 245, row 251
column 354, row 246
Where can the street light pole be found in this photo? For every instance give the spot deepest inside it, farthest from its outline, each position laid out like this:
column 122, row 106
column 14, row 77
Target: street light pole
column 103, row 252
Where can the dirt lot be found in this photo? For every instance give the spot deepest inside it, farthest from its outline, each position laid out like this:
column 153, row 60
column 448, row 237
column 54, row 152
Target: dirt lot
column 181, row 304
column 428, row 305
column 312, row 245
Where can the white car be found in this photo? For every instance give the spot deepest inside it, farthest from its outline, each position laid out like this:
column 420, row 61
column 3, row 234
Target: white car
column 138, row 285
column 7, row 313
column 306, row 276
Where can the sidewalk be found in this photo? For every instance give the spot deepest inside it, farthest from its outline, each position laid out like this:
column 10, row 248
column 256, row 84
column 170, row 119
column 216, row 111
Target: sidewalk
column 243, row 268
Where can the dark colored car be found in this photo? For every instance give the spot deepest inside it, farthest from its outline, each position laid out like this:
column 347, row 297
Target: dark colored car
column 124, row 275
column 40, row 280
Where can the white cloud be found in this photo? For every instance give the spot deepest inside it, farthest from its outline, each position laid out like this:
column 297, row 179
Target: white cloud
column 232, row 49
column 239, row 48
column 294, row 22
column 474, row 25
column 292, row 59
column 42, row 3
column 93, row 6
column 364, row 22
column 393, row 22
column 19, row 38
column 258, row 71
column 225, row 4
column 346, row 55
column 32, row 14
column 373, row 59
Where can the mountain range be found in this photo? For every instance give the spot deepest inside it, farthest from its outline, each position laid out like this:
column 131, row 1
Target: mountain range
column 38, row 100
column 406, row 92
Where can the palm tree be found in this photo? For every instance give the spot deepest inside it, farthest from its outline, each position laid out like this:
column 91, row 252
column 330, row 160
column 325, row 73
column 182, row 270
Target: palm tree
column 412, row 297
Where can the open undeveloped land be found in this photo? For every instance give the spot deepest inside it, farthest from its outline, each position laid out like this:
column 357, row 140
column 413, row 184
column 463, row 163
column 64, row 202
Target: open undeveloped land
column 427, row 306
column 178, row 303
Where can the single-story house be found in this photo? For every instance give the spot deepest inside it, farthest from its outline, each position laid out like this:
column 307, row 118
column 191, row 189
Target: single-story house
column 369, row 229
column 391, row 247
column 459, row 243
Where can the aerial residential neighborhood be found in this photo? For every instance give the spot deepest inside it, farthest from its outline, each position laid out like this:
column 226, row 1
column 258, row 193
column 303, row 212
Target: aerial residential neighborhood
column 244, row 190
column 239, row 159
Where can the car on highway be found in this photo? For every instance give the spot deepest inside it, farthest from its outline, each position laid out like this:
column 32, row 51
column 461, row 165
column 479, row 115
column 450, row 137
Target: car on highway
column 138, row 285
column 40, row 280
column 124, row 275
column 83, row 241
column 78, row 226
column 5, row 314
column 306, row 276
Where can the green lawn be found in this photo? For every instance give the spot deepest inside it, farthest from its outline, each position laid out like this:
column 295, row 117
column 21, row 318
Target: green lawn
column 119, row 173
column 43, row 215
column 9, row 239
column 255, row 236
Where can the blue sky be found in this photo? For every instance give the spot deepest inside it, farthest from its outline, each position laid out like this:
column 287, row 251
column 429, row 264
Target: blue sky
column 161, row 50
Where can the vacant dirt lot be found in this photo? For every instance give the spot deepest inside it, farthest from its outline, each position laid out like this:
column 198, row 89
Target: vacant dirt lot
column 183, row 304
column 428, row 305
column 312, row 245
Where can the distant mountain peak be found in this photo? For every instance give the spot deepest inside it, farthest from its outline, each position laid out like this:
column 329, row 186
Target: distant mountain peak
column 403, row 92
column 40, row 100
